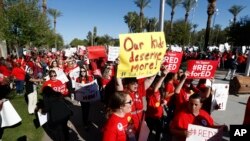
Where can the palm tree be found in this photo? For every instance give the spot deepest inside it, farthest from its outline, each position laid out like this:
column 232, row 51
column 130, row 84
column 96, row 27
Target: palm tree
column 210, row 11
column 1, row 4
column 130, row 19
column 142, row 4
column 55, row 14
column 235, row 10
column 188, row 5
column 152, row 24
column 44, row 6
column 173, row 4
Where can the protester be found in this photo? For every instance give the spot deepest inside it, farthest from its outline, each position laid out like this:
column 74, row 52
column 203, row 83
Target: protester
column 84, row 78
column 5, row 90
column 31, row 90
column 58, row 114
column 137, row 91
column 155, row 104
column 18, row 74
column 55, row 84
column 118, row 125
column 232, row 67
column 192, row 114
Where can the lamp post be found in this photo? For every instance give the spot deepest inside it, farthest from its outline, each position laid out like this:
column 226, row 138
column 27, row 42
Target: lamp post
column 161, row 15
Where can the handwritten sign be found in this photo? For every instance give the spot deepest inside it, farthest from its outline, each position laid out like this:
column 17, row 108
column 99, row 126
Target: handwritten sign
column 87, row 92
column 200, row 133
column 113, row 53
column 201, row 68
column 172, row 60
column 141, row 54
column 220, row 96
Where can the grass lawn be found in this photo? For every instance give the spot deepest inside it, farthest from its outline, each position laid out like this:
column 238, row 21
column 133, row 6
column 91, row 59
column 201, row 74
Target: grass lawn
column 26, row 128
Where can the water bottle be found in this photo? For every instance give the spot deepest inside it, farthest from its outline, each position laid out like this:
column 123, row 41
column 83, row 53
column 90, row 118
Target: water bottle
column 72, row 96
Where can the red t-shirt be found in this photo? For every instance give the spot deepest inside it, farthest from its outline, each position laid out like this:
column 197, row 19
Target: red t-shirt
column 84, row 80
column 180, row 100
column 115, row 128
column 4, row 70
column 105, row 81
column 154, row 108
column 57, row 86
column 18, row 73
column 169, row 87
column 184, row 117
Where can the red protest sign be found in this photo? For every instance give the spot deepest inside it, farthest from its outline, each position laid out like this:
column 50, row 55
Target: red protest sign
column 95, row 52
column 172, row 60
column 201, row 68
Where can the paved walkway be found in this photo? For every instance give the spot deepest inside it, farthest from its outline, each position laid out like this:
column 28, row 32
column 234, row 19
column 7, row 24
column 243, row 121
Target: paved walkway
column 233, row 114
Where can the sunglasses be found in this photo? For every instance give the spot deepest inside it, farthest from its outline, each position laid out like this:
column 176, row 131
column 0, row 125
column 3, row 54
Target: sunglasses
column 129, row 102
column 53, row 76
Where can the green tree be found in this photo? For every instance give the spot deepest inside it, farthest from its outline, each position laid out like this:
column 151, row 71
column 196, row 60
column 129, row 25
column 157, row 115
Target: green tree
column 152, row 25
column 235, row 10
column 23, row 25
column 239, row 33
column 188, row 5
column 75, row 42
column 210, row 12
column 55, row 14
column 173, row 4
column 142, row 4
column 44, row 5
column 131, row 19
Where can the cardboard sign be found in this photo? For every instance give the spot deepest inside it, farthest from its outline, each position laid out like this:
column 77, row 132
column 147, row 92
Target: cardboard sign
column 199, row 69
column 220, row 96
column 60, row 75
column 9, row 115
column 113, row 53
column 200, row 133
column 95, row 52
column 87, row 92
column 141, row 54
column 172, row 60
column 75, row 73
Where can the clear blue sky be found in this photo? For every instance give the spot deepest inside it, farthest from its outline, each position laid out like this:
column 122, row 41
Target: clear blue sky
column 80, row 16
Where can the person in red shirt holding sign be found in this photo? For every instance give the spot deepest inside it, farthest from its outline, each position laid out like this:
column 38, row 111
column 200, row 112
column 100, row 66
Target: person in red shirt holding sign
column 137, row 91
column 55, row 84
column 118, row 125
column 155, row 104
column 84, row 78
column 192, row 114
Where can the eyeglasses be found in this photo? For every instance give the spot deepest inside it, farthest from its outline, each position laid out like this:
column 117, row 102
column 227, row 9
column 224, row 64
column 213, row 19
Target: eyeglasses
column 83, row 70
column 129, row 102
column 53, row 76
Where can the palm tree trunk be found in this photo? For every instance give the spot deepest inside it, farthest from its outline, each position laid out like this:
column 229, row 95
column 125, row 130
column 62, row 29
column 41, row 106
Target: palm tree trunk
column 171, row 21
column 234, row 20
column 1, row 4
column 141, row 16
column 186, row 17
column 44, row 6
column 210, row 12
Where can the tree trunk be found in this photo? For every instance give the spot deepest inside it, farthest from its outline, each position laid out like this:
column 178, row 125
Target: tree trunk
column 44, row 6
column 171, row 21
column 186, row 17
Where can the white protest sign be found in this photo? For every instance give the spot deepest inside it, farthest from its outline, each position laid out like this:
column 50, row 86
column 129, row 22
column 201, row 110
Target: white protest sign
column 220, row 96
column 9, row 115
column 42, row 118
column 200, row 133
column 74, row 74
column 113, row 53
column 53, row 50
column 87, row 92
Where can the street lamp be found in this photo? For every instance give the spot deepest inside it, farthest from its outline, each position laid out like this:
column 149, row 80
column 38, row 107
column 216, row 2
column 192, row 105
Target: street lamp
column 161, row 15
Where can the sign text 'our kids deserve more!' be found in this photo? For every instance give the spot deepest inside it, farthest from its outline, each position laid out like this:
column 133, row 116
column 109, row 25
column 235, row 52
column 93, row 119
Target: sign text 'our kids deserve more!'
column 141, row 54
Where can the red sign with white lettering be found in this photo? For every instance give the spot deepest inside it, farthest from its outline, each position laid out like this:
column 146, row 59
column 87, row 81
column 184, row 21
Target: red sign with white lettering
column 201, row 69
column 172, row 60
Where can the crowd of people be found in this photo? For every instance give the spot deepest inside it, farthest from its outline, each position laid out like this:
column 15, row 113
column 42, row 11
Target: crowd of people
column 167, row 101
